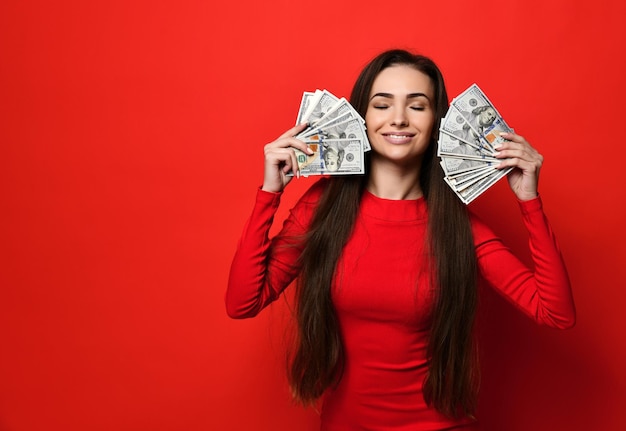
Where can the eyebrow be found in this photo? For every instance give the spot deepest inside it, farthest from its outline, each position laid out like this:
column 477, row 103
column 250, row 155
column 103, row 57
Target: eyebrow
column 408, row 96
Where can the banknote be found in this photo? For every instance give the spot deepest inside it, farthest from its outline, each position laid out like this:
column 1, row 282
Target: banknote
column 453, row 146
column 453, row 167
column 468, row 136
column 455, row 124
column 466, row 179
column 335, row 133
column 482, row 117
column 322, row 102
column 307, row 96
column 342, row 109
column 331, row 117
column 351, row 128
column 332, row 157
column 468, row 192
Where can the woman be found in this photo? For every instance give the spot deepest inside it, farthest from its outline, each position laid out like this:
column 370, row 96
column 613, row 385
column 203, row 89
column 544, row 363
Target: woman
column 388, row 264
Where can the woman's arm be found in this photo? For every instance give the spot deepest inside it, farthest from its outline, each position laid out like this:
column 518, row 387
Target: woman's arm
column 262, row 269
column 544, row 292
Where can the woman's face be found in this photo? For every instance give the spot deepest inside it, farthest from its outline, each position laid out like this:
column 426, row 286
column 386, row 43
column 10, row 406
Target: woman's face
column 400, row 115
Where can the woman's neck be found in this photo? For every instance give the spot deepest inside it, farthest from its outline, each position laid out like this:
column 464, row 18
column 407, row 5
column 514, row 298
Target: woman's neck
column 390, row 181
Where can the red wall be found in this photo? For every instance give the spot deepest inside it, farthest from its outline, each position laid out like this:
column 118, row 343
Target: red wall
column 131, row 137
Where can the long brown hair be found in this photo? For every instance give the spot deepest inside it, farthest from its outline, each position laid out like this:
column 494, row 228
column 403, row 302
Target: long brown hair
column 318, row 358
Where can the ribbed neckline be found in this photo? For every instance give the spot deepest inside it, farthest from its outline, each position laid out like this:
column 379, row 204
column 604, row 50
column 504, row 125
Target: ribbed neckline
column 393, row 210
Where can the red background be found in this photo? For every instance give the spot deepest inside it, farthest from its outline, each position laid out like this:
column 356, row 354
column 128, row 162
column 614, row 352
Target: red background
column 131, row 138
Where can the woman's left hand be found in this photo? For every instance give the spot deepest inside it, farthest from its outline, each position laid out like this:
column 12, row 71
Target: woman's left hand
column 518, row 153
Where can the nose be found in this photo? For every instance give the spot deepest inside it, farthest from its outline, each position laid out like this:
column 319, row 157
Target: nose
column 399, row 118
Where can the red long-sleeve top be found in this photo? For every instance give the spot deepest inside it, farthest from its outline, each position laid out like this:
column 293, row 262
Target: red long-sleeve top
column 383, row 301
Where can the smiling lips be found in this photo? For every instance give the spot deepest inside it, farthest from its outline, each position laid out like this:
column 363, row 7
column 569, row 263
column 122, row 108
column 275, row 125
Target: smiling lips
column 398, row 137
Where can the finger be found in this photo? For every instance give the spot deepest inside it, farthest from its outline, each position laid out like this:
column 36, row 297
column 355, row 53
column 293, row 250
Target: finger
column 279, row 155
column 295, row 161
column 529, row 161
column 526, row 153
column 279, row 162
column 287, row 146
column 293, row 131
column 513, row 137
column 293, row 165
column 516, row 162
column 302, row 146
column 289, row 142
column 515, row 142
column 527, row 166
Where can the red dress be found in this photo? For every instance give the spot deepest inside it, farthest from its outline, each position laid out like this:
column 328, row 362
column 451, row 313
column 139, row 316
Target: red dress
column 383, row 299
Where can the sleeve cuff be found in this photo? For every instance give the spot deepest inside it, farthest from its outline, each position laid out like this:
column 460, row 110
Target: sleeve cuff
column 531, row 205
column 268, row 198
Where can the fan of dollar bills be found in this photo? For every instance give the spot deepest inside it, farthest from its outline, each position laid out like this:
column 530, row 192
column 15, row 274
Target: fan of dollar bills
column 467, row 137
column 335, row 133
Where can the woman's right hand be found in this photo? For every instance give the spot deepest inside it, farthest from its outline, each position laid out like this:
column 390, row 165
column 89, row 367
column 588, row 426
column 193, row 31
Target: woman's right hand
column 280, row 159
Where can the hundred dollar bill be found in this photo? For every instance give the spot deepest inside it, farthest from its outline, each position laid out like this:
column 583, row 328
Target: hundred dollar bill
column 467, row 193
column 329, row 122
column 461, row 182
column 332, row 157
column 453, row 166
column 341, row 109
column 483, row 118
column 326, row 122
column 328, row 119
column 350, row 129
column 468, row 136
column 307, row 96
column 347, row 125
column 322, row 102
column 455, row 124
column 452, row 146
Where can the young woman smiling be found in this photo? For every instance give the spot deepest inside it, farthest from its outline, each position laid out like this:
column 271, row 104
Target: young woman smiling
column 388, row 264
